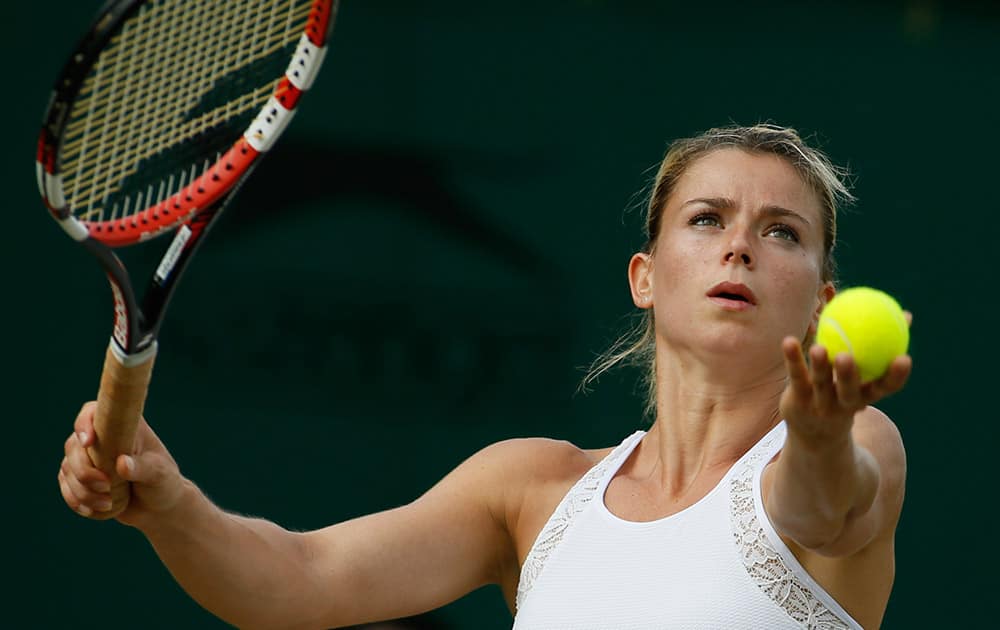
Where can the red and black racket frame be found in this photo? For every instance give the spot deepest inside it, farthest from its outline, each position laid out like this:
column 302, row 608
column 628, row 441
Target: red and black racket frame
column 194, row 209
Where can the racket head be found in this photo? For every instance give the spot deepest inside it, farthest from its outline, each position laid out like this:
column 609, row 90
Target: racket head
column 161, row 111
column 165, row 105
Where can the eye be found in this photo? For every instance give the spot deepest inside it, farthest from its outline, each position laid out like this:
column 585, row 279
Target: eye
column 784, row 232
column 705, row 219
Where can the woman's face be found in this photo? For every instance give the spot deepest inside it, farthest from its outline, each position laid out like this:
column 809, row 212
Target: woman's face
column 737, row 264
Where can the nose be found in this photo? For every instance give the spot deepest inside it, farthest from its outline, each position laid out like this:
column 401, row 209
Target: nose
column 743, row 257
column 739, row 251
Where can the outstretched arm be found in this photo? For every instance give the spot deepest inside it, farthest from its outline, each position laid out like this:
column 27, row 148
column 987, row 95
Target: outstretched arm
column 838, row 482
column 255, row 574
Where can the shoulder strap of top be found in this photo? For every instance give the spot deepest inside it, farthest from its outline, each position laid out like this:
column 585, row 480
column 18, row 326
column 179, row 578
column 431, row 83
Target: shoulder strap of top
column 767, row 560
column 575, row 501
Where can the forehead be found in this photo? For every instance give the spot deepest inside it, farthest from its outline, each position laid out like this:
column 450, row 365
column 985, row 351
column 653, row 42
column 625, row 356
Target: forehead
column 754, row 179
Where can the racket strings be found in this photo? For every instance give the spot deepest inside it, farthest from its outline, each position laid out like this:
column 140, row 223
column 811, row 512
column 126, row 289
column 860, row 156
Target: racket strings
column 225, row 38
column 169, row 94
column 205, row 54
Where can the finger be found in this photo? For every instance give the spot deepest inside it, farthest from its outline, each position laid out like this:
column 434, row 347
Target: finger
column 144, row 468
column 79, row 465
column 821, row 373
column 70, row 498
column 891, row 382
column 899, row 372
column 78, row 490
column 84, row 424
column 84, row 494
column 79, row 498
column 848, row 382
column 129, row 470
column 148, row 468
column 795, row 364
column 909, row 317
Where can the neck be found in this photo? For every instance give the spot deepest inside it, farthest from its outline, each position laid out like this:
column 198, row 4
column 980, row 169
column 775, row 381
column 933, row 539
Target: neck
column 707, row 417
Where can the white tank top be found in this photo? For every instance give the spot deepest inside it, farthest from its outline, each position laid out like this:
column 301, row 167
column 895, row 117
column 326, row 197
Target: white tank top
column 717, row 564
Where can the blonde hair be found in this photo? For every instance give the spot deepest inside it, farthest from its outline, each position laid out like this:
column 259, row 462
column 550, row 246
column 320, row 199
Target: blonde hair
column 637, row 347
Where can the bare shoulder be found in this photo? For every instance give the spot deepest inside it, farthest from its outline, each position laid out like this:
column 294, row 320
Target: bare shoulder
column 541, row 457
column 510, row 474
column 520, row 468
column 546, row 469
column 525, row 479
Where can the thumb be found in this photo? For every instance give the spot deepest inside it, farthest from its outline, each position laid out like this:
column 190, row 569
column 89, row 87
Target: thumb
column 142, row 468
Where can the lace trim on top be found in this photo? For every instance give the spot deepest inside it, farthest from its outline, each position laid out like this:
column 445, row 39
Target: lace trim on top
column 764, row 564
column 575, row 501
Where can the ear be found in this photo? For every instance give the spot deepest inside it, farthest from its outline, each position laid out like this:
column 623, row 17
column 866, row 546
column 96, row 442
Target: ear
column 824, row 295
column 640, row 279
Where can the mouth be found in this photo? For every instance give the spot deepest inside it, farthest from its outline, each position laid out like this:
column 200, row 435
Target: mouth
column 732, row 292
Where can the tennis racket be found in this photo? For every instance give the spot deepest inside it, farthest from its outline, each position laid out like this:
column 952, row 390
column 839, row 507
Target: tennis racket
column 162, row 111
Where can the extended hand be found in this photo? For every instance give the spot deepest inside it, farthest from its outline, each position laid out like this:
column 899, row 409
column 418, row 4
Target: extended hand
column 821, row 399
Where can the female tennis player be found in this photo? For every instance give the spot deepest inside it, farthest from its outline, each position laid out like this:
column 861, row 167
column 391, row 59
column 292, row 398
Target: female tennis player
column 765, row 494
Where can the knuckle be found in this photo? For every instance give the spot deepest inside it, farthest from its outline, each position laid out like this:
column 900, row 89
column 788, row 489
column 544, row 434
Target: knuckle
column 78, row 488
column 90, row 477
column 80, row 461
column 73, row 463
column 83, row 417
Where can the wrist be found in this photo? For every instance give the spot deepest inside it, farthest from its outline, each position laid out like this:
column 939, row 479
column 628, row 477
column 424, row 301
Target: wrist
column 818, row 443
column 172, row 516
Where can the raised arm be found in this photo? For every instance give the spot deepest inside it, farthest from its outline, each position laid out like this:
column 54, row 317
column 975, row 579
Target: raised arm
column 255, row 574
column 838, row 483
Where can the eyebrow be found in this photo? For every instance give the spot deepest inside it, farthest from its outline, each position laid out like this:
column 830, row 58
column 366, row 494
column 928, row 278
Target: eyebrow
column 720, row 203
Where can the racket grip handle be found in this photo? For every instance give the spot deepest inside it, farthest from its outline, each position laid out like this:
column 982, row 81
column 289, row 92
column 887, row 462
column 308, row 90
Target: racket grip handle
column 120, row 401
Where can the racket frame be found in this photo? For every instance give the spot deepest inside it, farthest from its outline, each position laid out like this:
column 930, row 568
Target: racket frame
column 189, row 213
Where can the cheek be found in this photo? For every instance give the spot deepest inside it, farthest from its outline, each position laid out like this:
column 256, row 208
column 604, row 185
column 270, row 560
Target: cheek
column 675, row 268
column 799, row 282
column 679, row 255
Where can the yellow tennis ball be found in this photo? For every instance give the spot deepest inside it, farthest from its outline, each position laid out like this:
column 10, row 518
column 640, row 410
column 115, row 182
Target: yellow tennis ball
column 867, row 323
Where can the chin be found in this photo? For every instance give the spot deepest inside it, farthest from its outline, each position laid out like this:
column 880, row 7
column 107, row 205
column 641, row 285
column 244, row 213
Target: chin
column 740, row 343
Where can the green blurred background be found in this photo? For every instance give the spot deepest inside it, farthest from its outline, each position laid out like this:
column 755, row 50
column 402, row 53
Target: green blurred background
column 465, row 184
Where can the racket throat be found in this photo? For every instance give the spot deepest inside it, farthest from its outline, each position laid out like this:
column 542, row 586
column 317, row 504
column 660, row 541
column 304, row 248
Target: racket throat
column 139, row 357
column 128, row 334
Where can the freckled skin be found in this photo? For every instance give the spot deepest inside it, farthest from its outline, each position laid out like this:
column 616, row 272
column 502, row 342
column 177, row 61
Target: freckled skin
column 738, row 243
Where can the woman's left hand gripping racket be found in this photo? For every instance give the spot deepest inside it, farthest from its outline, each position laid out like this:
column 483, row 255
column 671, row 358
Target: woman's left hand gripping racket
column 159, row 115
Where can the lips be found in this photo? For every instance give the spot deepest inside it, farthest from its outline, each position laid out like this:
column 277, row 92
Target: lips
column 733, row 292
